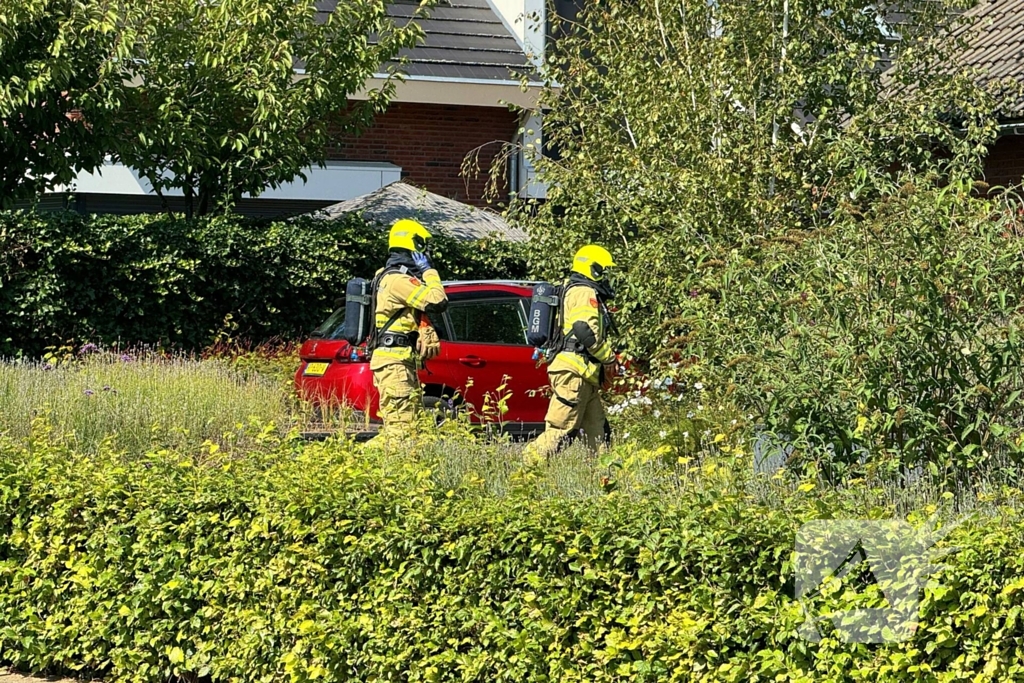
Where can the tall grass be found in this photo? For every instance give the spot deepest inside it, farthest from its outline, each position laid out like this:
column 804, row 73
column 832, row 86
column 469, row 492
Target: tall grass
column 142, row 402
column 236, row 403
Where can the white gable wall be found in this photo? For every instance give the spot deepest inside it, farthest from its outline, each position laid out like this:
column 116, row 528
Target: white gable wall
column 527, row 21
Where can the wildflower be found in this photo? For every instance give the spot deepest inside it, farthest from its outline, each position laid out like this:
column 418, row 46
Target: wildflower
column 667, row 382
column 734, row 421
column 699, row 386
column 657, row 413
column 625, row 436
column 88, row 348
column 126, row 358
column 48, row 366
column 88, row 392
column 662, row 434
column 694, row 293
column 656, row 384
column 686, row 435
column 106, row 387
column 690, row 414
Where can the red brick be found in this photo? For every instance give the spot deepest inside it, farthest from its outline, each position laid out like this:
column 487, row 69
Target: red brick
column 430, row 141
column 1005, row 162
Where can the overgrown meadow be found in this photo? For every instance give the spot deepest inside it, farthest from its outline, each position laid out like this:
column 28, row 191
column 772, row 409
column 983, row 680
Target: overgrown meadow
column 163, row 519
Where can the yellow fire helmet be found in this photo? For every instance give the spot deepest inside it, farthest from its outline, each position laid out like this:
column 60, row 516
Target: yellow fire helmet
column 408, row 234
column 591, row 260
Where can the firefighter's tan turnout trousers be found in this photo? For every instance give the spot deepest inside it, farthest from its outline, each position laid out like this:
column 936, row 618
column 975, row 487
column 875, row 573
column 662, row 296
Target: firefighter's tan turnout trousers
column 575, row 410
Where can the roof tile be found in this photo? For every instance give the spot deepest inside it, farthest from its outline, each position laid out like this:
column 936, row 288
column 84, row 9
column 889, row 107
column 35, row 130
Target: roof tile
column 464, row 39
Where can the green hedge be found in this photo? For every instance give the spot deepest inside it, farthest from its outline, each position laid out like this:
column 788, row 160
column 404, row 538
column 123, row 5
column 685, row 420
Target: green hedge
column 162, row 280
column 335, row 564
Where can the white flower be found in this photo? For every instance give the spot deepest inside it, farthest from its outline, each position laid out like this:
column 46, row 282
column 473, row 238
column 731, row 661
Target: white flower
column 657, row 413
column 657, row 384
column 699, row 386
column 625, row 436
column 662, row 434
column 686, row 435
column 734, row 421
column 700, row 407
column 668, row 382
column 690, row 414
column 679, row 397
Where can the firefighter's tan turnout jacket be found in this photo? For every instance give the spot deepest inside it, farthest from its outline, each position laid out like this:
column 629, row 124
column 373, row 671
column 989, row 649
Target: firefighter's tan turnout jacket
column 404, row 291
column 580, row 303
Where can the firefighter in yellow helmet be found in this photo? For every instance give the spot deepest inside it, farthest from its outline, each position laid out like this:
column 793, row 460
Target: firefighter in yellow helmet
column 583, row 359
column 406, row 288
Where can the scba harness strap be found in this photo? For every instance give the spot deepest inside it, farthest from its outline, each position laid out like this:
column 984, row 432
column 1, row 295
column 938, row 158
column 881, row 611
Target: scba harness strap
column 391, row 340
column 381, row 337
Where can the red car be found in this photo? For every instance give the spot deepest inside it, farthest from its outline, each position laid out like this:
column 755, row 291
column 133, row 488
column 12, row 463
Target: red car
column 483, row 348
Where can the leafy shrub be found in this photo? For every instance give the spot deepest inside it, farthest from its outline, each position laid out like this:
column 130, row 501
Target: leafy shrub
column 342, row 564
column 164, row 280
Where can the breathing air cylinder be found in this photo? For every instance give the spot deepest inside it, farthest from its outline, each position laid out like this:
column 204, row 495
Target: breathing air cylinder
column 358, row 310
column 543, row 314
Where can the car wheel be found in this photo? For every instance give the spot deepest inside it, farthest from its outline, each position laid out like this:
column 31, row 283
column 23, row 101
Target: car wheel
column 442, row 407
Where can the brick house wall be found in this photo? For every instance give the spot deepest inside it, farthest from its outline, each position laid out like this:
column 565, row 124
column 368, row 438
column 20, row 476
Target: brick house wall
column 1004, row 165
column 429, row 143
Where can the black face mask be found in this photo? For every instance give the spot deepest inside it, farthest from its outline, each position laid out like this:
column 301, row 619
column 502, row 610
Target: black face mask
column 603, row 288
column 400, row 258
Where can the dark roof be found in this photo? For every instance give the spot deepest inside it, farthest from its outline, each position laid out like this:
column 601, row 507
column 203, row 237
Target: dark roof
column 464, row 39
column 995, row 46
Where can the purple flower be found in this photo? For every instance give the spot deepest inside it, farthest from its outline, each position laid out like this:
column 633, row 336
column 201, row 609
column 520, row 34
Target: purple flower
column 106, row 387
column 126, row 358
column 89, row 392
column 88, row 348
column 694, row 293
column 48, row 366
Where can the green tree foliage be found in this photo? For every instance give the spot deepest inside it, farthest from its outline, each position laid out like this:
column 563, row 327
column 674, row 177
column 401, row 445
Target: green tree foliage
column 56, row 58
column 216, row 99
column 787, row 184
column 185, row 284
column 238, row 96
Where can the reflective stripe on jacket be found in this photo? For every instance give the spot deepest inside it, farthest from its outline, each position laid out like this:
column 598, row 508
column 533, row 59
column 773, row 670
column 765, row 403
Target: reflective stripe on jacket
column 405, row 293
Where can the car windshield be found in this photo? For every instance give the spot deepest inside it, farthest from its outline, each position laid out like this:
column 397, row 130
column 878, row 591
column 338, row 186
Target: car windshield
column 332, row 327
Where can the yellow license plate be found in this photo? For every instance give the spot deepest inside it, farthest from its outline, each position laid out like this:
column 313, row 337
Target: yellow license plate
column 315, row 369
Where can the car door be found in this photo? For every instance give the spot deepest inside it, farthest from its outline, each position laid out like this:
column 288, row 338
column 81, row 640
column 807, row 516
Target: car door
column 485, row 347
